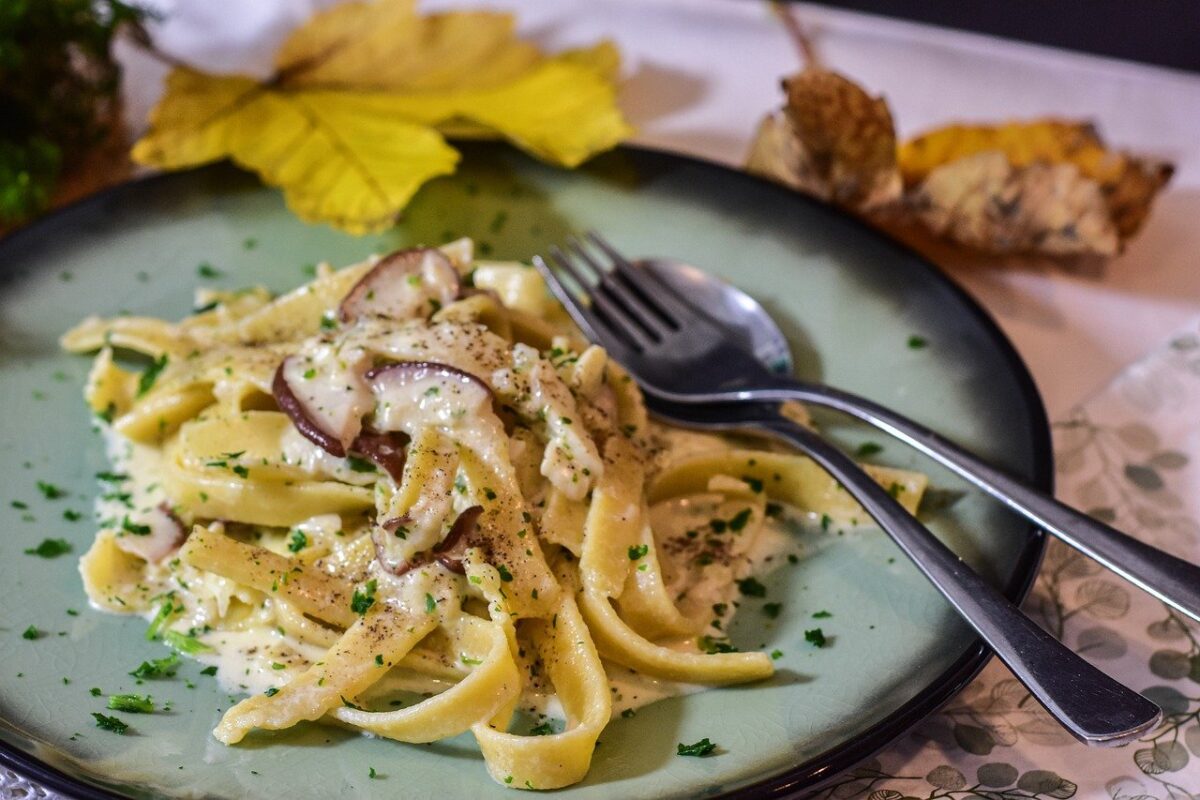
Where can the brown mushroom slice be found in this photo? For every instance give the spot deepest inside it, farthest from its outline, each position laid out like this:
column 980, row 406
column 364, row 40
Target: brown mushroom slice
column 153, row 534
column 413, row 394
column 403, row 285
column 463, row 533
column 449, row 552
column 326, row 403
column 384, row 450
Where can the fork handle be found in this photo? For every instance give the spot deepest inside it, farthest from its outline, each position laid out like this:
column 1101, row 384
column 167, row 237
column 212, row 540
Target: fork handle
column 1092, row 706
column 1170, row 579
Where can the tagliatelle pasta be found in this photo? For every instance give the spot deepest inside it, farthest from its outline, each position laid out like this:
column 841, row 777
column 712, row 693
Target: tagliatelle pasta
column 408, row 498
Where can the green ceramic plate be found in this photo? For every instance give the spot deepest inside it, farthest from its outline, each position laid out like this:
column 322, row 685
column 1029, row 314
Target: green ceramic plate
column 849, row 300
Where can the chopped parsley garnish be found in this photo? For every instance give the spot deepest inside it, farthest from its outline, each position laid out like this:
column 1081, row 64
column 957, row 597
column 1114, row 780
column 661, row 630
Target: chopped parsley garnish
column 826, row 521
column 164, row 613
column 19, row 504
column 430, row 603
column 917, row 342
column 50, row 548
column 357, row 464
column 371, row 773
column 271, row 691
column 150, row 375
column 209, row 671
column 364, row 599
column 701, row 748
column 754, row 483
column 240, row 471
column 129, row 526
column 472, row 662
column 868, row 449
column 131, row 703
column 490, row 494
column 627, row 713
column 71, row 515
column 816, row 636
column 776, row 655
column 188, row 645
column 328, row 323
column 298, row 541
column 505, row 575
column 751, row 587
column 718, row 525
column 637, row 551
column 108, row 723
column 157, row 668
column 772, row 609
column 895, row 489
column 112, row 477
column 379, row 659
column 31, row 633
column 738, row 521
column 95, row 691
column 710, row 645
column 821, row 615
column 545, row 729
column 50, row 491
column 207, row 270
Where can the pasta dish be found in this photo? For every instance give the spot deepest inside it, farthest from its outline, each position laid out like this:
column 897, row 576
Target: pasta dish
column 408, row 498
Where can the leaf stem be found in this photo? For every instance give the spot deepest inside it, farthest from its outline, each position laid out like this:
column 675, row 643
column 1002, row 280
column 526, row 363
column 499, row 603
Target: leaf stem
column 796, row 32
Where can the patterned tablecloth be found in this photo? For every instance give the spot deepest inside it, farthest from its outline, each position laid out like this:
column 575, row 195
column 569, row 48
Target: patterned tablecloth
column 1131, row 456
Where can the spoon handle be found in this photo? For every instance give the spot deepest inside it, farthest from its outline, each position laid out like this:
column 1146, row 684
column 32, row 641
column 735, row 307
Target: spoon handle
column 1170, row 579
column 1092, row 706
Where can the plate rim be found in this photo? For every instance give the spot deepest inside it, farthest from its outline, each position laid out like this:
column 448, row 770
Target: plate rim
column 808, row 776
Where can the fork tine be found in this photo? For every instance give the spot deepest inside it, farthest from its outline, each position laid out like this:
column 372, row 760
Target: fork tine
column 596, row 325
column 594, row 328
column 661, row 296
column 653, row 323
column 617, row 318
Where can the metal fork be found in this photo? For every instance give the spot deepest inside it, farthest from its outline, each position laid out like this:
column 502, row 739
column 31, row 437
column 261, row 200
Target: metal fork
column 662, row 341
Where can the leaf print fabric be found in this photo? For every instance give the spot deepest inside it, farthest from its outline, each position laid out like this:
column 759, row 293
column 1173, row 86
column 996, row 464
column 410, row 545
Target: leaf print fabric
column 1128, row 456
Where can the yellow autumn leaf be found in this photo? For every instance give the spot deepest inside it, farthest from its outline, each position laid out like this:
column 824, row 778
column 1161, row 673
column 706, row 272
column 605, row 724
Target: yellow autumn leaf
column 986, row 202
column 354, row 120
column 1127, row 183
column 387, row 45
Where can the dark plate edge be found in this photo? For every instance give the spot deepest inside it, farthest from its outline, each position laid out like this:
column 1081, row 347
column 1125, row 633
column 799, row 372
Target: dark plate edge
column 809, row 776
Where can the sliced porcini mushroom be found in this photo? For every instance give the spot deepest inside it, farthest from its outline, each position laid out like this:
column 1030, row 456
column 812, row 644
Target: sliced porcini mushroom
column 387, row 539
column 153, row 535
column 327, row 408
column 449, row 552
column 403, row 285
column 463, row 533
column 385, row 450
column 416, row 393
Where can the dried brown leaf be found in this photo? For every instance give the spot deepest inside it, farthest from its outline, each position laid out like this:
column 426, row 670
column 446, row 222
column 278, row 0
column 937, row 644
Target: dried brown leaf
column 832, row 140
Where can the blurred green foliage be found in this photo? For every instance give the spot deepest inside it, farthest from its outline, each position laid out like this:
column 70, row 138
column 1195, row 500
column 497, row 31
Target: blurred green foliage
column 58, row 92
